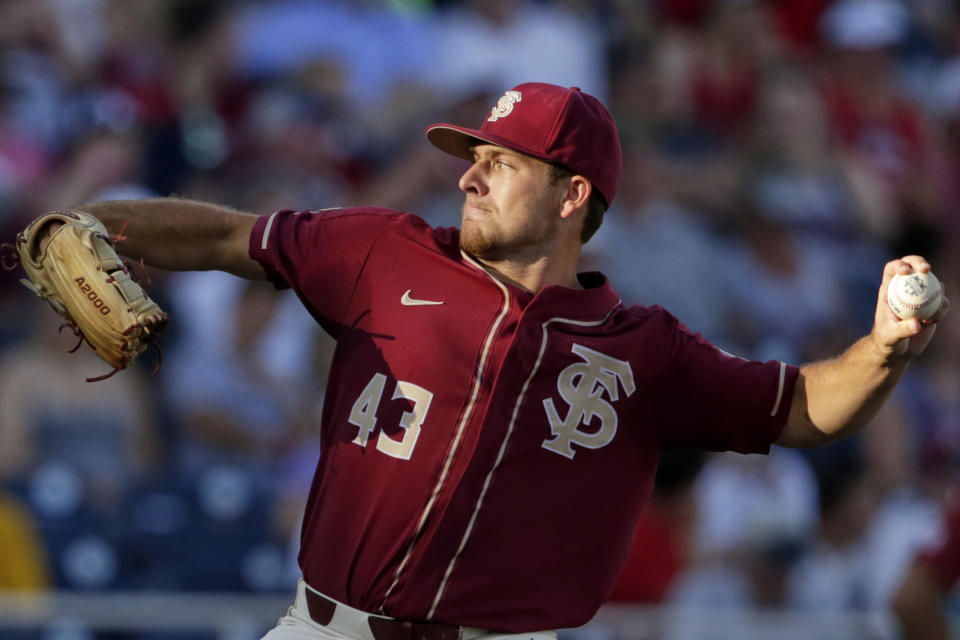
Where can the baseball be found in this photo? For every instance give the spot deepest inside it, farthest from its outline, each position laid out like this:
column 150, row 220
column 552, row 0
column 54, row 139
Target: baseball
column 915, row 295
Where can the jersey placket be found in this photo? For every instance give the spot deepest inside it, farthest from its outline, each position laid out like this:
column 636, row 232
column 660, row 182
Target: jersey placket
column 480, row 387
column 535, row 322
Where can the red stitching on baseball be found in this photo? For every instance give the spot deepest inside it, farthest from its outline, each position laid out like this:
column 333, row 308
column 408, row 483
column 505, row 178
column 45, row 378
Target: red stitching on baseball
column 915, row 305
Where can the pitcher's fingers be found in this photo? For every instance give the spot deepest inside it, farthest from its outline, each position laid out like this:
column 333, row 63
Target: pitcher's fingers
column 917, row 263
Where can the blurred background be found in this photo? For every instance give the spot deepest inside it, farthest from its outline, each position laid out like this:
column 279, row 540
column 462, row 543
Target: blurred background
column 777, row 153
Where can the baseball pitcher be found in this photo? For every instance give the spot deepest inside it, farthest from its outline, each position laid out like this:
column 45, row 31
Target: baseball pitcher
column 494, row 417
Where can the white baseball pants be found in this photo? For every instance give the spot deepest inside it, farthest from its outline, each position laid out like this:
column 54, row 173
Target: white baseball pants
column 351, row 624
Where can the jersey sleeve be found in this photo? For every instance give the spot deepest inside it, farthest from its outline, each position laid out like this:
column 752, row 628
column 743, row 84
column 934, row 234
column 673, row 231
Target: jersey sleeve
column 319, row 254
column 712, row 400
column 942, row 557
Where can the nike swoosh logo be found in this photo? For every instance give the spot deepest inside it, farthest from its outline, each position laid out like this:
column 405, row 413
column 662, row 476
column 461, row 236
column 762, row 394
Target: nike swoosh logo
column 407, row 301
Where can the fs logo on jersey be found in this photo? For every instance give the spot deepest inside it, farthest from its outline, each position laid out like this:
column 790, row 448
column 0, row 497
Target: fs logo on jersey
column 504, row 105
column 582, row 385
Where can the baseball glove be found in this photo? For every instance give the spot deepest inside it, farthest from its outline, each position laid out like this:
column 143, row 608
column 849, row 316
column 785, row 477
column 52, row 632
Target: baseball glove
column 80, row 274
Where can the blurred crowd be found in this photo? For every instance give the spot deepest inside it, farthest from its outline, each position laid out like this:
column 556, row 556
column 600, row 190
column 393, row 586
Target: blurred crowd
column 777, row 154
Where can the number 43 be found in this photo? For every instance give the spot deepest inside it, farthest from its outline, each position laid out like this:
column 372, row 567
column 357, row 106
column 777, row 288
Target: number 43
column 363, row 414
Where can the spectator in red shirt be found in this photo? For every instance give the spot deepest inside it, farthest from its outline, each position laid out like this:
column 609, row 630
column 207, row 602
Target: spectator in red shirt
column 918, row 603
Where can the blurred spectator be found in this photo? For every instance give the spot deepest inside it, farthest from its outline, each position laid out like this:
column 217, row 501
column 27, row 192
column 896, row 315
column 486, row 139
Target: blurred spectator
column 801, row 208
column 874, row 119
column 931, row 408
column 238, row 380
column 795, row 180
column 23, row 562
column 735, row 591
column 920, row 599
column 928, row 568
column 754, row 514
column 373, row 47
column 737, row 47
column 658, row 249
column 793, row 175
column 791, row 296
column 34, row 78
column 741, row 499
column 245, row 383
column 706, row 63
column 105, row 432
column 295, row 147
column 102, row 163
column 832, row 574
column 798, row 24
column 491, row 44
column 904, row 521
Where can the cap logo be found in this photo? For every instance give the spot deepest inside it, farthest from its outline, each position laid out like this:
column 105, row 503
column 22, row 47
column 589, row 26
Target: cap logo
column 504, row 105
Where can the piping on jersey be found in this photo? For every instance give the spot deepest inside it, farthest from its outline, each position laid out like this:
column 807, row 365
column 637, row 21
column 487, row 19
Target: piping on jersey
column 266, row 231
column 783, row 378
column 503, row 445
column 477, row 380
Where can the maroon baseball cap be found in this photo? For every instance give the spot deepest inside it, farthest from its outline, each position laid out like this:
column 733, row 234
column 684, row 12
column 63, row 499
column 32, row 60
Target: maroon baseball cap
column 554, row 124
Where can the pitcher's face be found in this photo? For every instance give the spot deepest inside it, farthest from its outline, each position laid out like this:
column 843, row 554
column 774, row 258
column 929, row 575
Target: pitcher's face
column 511, row 204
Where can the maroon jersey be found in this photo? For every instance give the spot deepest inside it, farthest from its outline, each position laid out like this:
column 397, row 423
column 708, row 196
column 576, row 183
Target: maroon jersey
column 486, row 451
